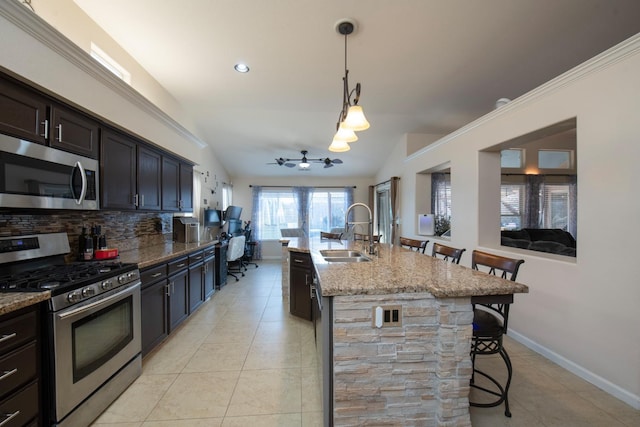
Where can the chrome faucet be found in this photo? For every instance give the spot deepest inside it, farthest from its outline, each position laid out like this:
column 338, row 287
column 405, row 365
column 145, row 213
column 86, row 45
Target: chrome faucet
column 346, row 225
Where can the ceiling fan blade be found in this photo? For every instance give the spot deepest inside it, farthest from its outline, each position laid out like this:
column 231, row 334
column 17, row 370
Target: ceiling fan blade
column 328, row 165
column 290, row 165
column 336, row 161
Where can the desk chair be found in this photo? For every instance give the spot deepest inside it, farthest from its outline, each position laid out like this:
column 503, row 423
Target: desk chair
column 414, row 244
column 235, row 253
column 490, row 324
column 447, row 253
column 249, row 247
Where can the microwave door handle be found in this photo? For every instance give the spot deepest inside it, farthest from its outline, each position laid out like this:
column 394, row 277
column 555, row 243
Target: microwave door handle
column 83, row 193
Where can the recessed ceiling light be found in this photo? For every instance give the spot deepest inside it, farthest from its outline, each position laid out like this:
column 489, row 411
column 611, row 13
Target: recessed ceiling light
column 241, row 68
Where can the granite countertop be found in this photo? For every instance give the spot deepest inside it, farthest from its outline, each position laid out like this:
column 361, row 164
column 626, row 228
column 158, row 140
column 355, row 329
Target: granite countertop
column 152, row 255
column 12, row 301
column 396, row 269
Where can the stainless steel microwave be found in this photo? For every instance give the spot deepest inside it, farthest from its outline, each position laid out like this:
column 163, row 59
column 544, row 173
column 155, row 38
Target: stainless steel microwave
column 35, row 176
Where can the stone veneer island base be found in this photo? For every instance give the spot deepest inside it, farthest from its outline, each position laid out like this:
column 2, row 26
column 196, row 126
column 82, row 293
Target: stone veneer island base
column 415, row 373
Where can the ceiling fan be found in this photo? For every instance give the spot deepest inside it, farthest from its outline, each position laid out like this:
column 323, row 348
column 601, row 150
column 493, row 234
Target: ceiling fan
column 304, row 162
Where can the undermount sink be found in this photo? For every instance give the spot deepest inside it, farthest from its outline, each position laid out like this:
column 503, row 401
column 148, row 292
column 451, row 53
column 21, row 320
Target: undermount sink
column 340, row 255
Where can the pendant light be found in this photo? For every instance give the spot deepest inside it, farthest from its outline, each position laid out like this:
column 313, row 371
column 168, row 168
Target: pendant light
column 351, row 118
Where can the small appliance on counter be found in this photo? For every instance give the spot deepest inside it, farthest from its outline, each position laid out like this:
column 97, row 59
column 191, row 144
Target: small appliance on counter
column 186, row 229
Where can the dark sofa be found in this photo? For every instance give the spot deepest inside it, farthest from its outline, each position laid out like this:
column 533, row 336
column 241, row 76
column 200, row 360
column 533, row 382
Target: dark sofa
column 551, row 240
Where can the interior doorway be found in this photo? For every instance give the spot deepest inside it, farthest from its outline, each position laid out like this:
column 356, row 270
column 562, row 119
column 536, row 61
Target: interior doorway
column 383, row 212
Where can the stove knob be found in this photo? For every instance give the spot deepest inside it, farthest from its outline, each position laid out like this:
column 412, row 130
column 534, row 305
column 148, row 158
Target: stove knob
column 88, row 292
column 132, row 275
column 122, row 279
column 74, row 296
column 107, row 284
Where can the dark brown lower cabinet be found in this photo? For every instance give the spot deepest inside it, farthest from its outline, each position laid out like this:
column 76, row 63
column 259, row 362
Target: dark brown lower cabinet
column 20, row 364
column 154, row 315
column 196, row 286
column 178, row 298
column 209, row 276
column 300, row 269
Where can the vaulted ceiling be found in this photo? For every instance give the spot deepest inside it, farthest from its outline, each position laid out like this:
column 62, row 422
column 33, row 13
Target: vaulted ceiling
column 426, row 66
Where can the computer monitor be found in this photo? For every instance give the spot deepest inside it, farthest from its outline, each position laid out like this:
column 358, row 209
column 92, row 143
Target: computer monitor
column 235, row 227
column 232, row 212
column 212, row 218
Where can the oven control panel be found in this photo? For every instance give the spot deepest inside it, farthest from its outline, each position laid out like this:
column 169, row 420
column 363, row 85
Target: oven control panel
column 89, row 291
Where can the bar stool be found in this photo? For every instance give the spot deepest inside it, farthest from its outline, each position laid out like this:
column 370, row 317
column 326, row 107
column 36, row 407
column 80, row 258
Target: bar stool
column 447, row 253
column 490, row 324
column 414, row 244
column 330, row 236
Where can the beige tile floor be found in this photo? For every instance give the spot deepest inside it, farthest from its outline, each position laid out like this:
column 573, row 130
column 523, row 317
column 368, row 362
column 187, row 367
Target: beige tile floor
column 242, row 360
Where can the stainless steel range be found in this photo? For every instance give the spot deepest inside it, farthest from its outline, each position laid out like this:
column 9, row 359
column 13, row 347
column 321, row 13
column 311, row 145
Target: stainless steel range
column 92, row 347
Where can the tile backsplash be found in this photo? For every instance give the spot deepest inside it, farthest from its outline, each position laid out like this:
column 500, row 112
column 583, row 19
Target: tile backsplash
column 123, row 230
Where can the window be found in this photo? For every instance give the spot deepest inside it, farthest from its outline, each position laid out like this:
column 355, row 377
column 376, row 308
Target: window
column 512, row 198
column 227, row 195
column 326, row 211
column 109, row 63
column 556, row 207
column 511, row 158
column 554, row 159
column 278, row 209
column 311, row 209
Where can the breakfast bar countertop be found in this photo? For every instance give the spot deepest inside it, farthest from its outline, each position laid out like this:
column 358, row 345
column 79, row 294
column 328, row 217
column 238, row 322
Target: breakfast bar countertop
column 152, row 255
column 395, row 269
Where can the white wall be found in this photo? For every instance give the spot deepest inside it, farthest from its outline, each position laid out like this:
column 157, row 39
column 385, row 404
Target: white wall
column 581, row 312
column 242, row 197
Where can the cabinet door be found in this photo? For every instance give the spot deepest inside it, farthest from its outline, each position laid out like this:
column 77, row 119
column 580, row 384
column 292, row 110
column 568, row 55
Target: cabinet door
column 179, row 299
column 74, row 132
column 149, row 179
column 196, row 286
column 209, row 277
column 22, row 113
column 300, row 293
column 118, row 171
column 154, row 315
column 221, row 264
column 170, row 184
column 186, row 187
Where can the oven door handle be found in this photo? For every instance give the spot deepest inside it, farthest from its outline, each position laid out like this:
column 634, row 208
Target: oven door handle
column 88, row 307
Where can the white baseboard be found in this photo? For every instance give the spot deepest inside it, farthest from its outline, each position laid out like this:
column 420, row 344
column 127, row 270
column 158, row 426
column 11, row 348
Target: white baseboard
column 602, row 383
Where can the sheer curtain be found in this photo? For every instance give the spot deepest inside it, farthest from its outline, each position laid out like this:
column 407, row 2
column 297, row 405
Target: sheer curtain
column 256, row 191
column 302, row 196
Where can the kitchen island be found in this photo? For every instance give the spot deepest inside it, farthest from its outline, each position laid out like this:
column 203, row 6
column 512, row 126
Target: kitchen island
column 415, row 368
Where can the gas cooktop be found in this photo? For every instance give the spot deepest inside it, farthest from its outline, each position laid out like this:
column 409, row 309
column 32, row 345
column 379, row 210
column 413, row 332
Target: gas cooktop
column 63, row 277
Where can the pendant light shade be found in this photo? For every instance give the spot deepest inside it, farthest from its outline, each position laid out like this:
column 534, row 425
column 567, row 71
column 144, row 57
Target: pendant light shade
column 355, row 120
column 338, row 146
column 345, row 134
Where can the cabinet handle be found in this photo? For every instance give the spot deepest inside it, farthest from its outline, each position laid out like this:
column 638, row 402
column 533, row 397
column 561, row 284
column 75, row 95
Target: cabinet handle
column 298, row 261
column 168, row 286
column 8, row 373
column 45, row 124
column 312, row 291
column 181, row 265
column 7, row 337
column 135, row 200
column 142, row 200
column 156, row 275
column 180, row 204
column 59, row 127
column 9, row 417
column 197, row 257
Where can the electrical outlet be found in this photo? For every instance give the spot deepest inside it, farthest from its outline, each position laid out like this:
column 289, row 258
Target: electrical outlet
column 386, row 316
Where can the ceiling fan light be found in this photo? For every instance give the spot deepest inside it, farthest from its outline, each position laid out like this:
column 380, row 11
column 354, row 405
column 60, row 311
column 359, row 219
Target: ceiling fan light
column 345, row 134
column 339, row 146
column 355, row 119
column 304, row 165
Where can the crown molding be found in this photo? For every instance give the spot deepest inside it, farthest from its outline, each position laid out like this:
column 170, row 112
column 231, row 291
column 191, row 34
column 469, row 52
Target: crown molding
column 43, row 32
column 611, row 56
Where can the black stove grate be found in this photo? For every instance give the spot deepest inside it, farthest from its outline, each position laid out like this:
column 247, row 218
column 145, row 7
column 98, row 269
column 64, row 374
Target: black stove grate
column 62, row 277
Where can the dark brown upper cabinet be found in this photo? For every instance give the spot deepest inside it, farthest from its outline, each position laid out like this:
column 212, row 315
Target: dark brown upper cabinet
column 23, row 113
column 131, row 174
column 74, row 132
column 177, row 185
